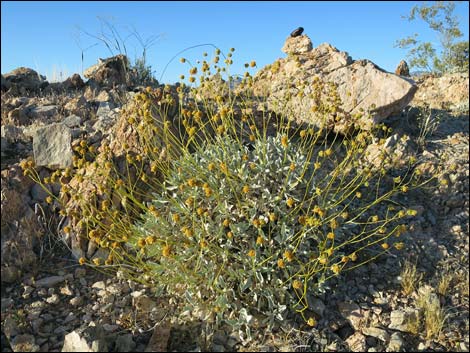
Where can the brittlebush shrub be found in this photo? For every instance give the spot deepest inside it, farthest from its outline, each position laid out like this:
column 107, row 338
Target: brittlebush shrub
column 254, row 213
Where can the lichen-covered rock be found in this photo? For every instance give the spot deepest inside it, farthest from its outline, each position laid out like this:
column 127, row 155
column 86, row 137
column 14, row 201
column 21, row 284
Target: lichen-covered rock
column 52, row 146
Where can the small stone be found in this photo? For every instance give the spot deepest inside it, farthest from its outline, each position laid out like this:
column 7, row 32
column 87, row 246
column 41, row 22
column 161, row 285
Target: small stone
column 24, row 343
column 399, row 319
column 396, row 343
column 376, row 332
column 352, row 313
column 125, row 343
column 80, row 272
column 357, row 342
column 53, row 299
column 69, row 318
column 48, row 282
column 6, row 303
column 85, row 339
column 10, row 327
column 66, row 291
column 76, row 301
column 99, row 285
column 27, row 291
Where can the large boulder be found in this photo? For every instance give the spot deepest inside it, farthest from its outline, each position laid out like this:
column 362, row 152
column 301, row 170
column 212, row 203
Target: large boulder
column 324, row 86
column 297, row 45
column 443, row 92
column 109, row 72
column 25, row 78
column 52, row 146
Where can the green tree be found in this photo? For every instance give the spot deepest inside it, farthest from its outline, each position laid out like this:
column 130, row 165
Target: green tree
column 452, row 55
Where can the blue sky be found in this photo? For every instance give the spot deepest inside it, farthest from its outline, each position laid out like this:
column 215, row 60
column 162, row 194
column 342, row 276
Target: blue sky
column 45, row 35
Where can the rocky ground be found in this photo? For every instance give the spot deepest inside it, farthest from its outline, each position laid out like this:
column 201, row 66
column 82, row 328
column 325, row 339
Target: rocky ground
column 51, row 303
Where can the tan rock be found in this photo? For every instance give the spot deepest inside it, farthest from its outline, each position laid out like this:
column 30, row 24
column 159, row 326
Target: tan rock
column 297, row 45
column 402, row 69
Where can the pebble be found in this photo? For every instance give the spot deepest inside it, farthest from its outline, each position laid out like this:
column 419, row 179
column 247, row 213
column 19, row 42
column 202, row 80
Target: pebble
column 53, row 299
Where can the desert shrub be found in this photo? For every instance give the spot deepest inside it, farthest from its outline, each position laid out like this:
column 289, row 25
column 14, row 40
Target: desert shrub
column 235, row 211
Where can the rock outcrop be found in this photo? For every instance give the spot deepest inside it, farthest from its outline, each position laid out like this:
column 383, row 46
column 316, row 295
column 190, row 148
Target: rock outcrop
column 402, row 69
column 109, row 72
column 26, row 78
column 324, row 86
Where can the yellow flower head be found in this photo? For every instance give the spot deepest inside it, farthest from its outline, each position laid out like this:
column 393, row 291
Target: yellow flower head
column 252, row 253
column 246, row 189
column 259, row 240
column 281, row 263
column 284, row 141
column 385, row 246
column 82, row 261
column 297, row 284
column 97, row 261
column 272, row 217
column 288, row 255
column 229, row 235
column 311, row 322
column 290, row 202
column 166, row 251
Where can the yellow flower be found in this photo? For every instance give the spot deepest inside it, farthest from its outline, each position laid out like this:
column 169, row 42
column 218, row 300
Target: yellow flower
column 303, row 133
column 183, row 60
column 187, row 231
column 252, row 138
column 317, row 165
column 281, row 263
column 253, row 63
column 211, row 167
column 97, row 261
column 246, row 189
column 189, row 201
column 336, row 269
column 166, row 251
column 328, row 152
column 229, row 235
column 330, row 235
column 385, row 246
column 311, row 322
column 353, row 256
column 358, row 195
column 259, row 240
column 411, row 212
column 334, row 224
column 399, row 246
column 272, row 217
column 251, row 253
column 49, row 199
column 226, row 222
column 290, row 202
column 200, row 211
column 176, row 217
column 345, row 259
column 223, row 167
column 67, row 229
column 208, row 191
column 404, row 188
column 150, row 239
column 288, row 255
column 82, row 261
column 141, row 243
column 297, row 284
column 284, row 141
column 375, row 218
column 292, row 167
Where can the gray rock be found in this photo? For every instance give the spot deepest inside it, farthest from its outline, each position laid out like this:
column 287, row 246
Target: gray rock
column 76, row 301
column 317, row 306
column 85, row 339
column 99, row 285
column 124, row 343
column 52, row 146
column 352, row 313
column 48, row 282
column 10, row 327
column 72, row 121
column 396, row 343
column 24, row 343
column 38, row 193
column 104, row 109
column 6, row 303
column 43, row 112
column 376, row 332
column 400, row 319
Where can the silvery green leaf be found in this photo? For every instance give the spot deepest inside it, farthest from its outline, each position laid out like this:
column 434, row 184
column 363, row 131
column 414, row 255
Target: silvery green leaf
column 246, row 284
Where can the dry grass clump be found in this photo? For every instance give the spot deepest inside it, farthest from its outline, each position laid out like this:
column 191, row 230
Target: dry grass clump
column 410, row 278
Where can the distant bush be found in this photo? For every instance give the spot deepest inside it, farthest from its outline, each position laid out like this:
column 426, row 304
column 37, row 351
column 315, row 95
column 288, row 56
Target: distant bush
column 451, row 56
